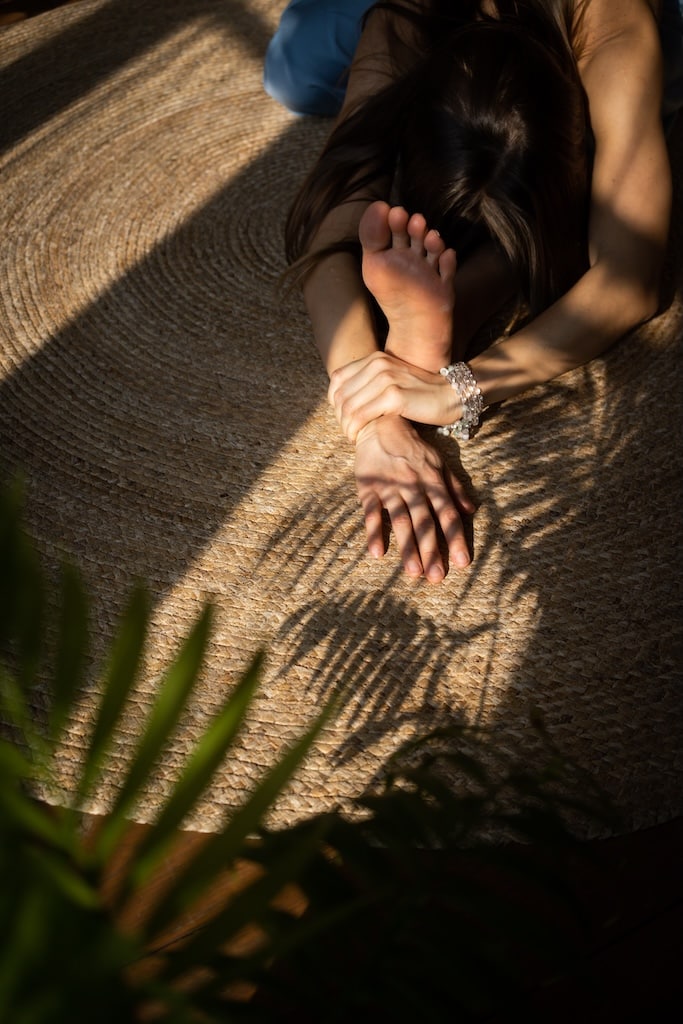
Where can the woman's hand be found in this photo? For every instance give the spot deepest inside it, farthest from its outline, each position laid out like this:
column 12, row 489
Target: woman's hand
column 381, row 385
column 397, row 471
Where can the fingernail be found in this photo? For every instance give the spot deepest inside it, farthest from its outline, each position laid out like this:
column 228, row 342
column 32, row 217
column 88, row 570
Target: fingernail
column 435, row 573
column 414, row 569
column 462, row 559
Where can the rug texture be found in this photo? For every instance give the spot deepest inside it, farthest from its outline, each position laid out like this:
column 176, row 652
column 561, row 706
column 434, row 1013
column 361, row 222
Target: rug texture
column 166, row 405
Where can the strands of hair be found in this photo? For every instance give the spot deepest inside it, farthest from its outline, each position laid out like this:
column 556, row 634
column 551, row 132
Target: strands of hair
column 485, row 134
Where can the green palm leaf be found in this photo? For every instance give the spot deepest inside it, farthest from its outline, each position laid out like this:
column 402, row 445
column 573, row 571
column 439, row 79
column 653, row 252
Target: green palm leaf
column 222, row 849
column 196, row 777
column 72, row 649
column 122, row 670
column 163, row 718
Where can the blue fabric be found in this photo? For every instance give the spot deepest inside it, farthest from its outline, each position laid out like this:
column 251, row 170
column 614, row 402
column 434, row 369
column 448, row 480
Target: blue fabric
column 309, row 56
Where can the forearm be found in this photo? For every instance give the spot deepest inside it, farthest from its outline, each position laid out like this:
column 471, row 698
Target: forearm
column 337, row 301
column 580, row 326
column 340, row 312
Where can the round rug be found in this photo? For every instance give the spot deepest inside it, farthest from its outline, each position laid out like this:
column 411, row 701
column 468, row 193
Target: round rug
column 166, row 406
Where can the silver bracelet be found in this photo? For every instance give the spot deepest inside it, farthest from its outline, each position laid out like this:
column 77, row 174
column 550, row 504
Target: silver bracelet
column 461, row 379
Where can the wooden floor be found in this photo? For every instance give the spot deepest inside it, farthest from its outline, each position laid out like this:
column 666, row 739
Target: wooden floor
column 633, row 944
column 638, row 955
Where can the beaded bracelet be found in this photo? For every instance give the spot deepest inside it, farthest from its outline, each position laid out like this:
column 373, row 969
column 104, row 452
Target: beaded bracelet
column 461, row 379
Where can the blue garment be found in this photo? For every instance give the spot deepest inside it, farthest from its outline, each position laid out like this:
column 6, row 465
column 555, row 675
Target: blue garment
column 310, row 54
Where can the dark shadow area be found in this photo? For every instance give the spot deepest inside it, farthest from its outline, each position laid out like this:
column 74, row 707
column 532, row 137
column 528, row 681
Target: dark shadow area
column 119, row 421
column 190, row 402
column 84, row 54
column 368, row 646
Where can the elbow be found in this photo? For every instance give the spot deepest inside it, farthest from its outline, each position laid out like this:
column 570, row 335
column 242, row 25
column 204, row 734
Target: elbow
column 630, row 301
column 626, row 291
column 644, row 303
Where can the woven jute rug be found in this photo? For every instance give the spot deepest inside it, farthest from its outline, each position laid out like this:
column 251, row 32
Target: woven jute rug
column 166, row 406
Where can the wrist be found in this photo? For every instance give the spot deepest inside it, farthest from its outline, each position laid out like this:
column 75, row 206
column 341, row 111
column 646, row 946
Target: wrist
column 374, row 427
column 369, row 430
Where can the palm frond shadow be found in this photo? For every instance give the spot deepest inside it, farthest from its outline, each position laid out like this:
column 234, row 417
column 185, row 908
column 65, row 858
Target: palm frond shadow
column 378, row 646
column 327, row 526
column 602, row 558
column 566, row 531
column 367, row 648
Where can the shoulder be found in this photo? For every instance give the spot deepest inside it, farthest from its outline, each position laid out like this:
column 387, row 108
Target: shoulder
column 608, row 26
column 621, row 70
column 620, row 60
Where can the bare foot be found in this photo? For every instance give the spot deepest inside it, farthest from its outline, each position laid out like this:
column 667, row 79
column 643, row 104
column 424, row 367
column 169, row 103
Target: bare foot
column 410, row 272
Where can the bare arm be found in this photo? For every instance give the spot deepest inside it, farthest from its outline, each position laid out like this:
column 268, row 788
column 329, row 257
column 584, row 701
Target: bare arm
column 629, row 217
column 336, row 299
column 630, row 209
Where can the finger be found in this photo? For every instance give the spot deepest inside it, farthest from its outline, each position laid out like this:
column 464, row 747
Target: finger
column 372, row 507
column 426, row 536
column 459, row 492
column 451, row 525
column 343, row 374
column 340, row 377
column 348, row 379
column 412, row 399
column 402, row 525
column 356, row 413
column 381, row 389
column 450, row 503
column 371, row 393
column 333, row 388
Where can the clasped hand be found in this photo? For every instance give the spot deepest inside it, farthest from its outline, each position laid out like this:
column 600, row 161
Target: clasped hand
column 381, row 384
column 396, row 470
column 374, row 399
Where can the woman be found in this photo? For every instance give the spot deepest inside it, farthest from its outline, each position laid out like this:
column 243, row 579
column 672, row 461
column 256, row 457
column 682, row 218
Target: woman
column 483, row 151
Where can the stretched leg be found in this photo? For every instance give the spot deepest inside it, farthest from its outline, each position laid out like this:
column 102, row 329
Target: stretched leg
column 411, row 273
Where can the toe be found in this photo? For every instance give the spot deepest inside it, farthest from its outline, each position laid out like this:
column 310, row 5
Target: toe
column 373, row 230
column 434, row 247
column 398, row 223
column 417, row 229
column 447, row 264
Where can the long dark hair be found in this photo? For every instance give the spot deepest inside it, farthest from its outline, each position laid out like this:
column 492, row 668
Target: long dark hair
column 485, row 133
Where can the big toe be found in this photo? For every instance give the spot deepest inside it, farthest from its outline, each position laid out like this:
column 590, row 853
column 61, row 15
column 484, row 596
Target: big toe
column 373, row 230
